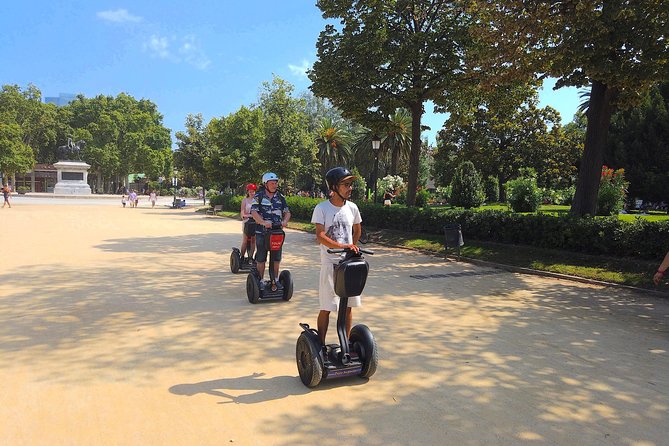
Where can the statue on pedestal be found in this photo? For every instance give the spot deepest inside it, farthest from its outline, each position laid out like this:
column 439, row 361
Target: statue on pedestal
column 70, row 151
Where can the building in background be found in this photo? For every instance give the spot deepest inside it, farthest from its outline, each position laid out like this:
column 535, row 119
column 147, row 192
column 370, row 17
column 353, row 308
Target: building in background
column 41, row 179
column 61, row 100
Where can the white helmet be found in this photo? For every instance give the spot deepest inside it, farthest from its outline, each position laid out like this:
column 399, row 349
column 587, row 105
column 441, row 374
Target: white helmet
column 269, row 176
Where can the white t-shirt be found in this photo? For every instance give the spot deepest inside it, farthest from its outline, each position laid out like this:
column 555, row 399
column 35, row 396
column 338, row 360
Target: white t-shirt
column 338, row 223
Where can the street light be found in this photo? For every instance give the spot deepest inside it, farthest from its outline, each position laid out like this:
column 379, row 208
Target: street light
column 174, row 184
column 376, row 146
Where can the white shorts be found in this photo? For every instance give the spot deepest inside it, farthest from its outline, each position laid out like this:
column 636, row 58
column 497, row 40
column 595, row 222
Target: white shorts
column 329, row 301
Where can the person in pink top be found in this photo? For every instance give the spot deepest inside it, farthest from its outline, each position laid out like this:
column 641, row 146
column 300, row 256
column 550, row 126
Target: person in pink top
column 245, row 213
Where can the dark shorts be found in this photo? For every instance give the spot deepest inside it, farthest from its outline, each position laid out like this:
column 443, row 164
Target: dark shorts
column 261, row 250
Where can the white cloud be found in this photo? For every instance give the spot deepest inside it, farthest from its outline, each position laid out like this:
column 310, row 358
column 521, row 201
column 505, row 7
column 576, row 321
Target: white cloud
column 158, row 47
column 193, row 54
column 187, row 50
column 119, row 16
column 300, row 70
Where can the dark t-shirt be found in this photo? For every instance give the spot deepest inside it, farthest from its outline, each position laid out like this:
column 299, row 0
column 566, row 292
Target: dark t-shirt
column 271, row 209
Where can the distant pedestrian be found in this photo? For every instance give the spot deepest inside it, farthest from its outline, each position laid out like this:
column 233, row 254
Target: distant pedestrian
column 388, row 197
column 132, row 197
column 659, row 274
column 123, row 200
column 152, row 198
column 6, row 193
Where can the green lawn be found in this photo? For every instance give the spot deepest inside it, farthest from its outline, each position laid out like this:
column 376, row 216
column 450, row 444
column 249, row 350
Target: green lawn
column 633, row 272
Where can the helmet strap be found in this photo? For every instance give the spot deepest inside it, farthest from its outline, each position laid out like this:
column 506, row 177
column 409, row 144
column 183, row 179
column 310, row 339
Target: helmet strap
column 336, row 191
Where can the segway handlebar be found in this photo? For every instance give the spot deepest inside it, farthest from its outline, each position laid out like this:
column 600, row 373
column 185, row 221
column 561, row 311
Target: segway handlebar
column 340, row 250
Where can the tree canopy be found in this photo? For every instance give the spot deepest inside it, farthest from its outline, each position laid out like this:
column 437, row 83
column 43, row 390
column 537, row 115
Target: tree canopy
column 617, row 47
column 389, row 55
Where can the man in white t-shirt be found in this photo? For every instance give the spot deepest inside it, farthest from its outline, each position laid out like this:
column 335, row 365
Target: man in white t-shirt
column 337, row 223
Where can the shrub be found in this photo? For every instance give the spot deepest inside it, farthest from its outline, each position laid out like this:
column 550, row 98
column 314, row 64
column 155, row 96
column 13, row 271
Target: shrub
column 359, row 186
column 466, row 188
column 523, row 194
column 565, row 196
column 612, row 191
column 422, row 197
column 443, row 194
column 491, row 187
column 610, row 236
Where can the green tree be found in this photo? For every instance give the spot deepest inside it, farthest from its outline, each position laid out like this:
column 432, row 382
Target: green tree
column 15, row 155
column 397, row 139
column 466, row 187
column 193, row 151
column 333, row 143
column 236, row 141
column 503, row 131
column 618, row 47
column 288, row 149
column 389, row 55
column 37, row 121
column 122, row 135
column 638, row 141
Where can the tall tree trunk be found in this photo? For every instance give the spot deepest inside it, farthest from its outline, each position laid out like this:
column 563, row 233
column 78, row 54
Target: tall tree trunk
column 394, row 160
column 414, row 155
column 599, row 115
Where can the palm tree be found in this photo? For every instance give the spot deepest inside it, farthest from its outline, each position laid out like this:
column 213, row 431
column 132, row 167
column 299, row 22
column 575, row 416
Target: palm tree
column 333, row 142
column 397, row 139
column 584, row 95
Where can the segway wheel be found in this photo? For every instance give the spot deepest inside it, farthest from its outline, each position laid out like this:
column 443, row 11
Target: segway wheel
column 308, row 361
column 287, row 281
column 364, row 344
column 252, row 288
column 235, row 261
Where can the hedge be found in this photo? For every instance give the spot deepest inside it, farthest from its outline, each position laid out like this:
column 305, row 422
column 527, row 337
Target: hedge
column 600, row 235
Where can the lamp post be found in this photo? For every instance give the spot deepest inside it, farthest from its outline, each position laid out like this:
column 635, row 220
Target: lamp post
column 376, row 145
column 174, row 184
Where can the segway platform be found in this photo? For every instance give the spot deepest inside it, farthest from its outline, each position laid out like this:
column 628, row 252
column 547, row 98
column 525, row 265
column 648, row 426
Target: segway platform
column 272, row 289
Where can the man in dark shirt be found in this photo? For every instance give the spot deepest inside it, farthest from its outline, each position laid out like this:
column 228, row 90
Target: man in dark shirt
column 269, row 207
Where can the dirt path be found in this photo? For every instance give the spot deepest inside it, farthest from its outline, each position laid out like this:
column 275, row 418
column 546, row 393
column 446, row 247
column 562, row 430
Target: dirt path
column 125, row 327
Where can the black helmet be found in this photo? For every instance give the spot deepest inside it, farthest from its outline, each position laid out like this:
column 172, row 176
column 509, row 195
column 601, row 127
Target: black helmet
column 336, row 175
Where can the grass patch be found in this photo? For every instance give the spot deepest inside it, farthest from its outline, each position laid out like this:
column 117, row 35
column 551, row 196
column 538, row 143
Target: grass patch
column 633, row 272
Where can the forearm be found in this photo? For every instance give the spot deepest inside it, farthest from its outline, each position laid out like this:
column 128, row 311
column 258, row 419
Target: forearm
column 257, row 217
column 357, row 231
column 665, row 264
column 327, row 241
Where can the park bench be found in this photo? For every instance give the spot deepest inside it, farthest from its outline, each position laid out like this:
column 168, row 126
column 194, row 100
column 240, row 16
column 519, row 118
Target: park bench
column 217, row 208
column 179, row 203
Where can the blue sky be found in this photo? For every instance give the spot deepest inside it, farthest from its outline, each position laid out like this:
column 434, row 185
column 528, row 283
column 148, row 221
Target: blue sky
column 207, row 57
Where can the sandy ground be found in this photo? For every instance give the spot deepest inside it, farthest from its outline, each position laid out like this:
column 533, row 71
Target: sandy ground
column 126, row 327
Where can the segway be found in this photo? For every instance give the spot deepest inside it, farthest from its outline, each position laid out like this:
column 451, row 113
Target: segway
column 272, row 288
column 237, row 262
column 356, row 355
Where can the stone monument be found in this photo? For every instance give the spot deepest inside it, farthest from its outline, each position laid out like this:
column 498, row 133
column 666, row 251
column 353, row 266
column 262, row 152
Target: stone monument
column 72, row 172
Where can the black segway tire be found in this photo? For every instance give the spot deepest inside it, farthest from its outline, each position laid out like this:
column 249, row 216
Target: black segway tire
column 252, row 288
column 287, row 281
column 308, row 361
column 364, row 344
column 235, row 261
